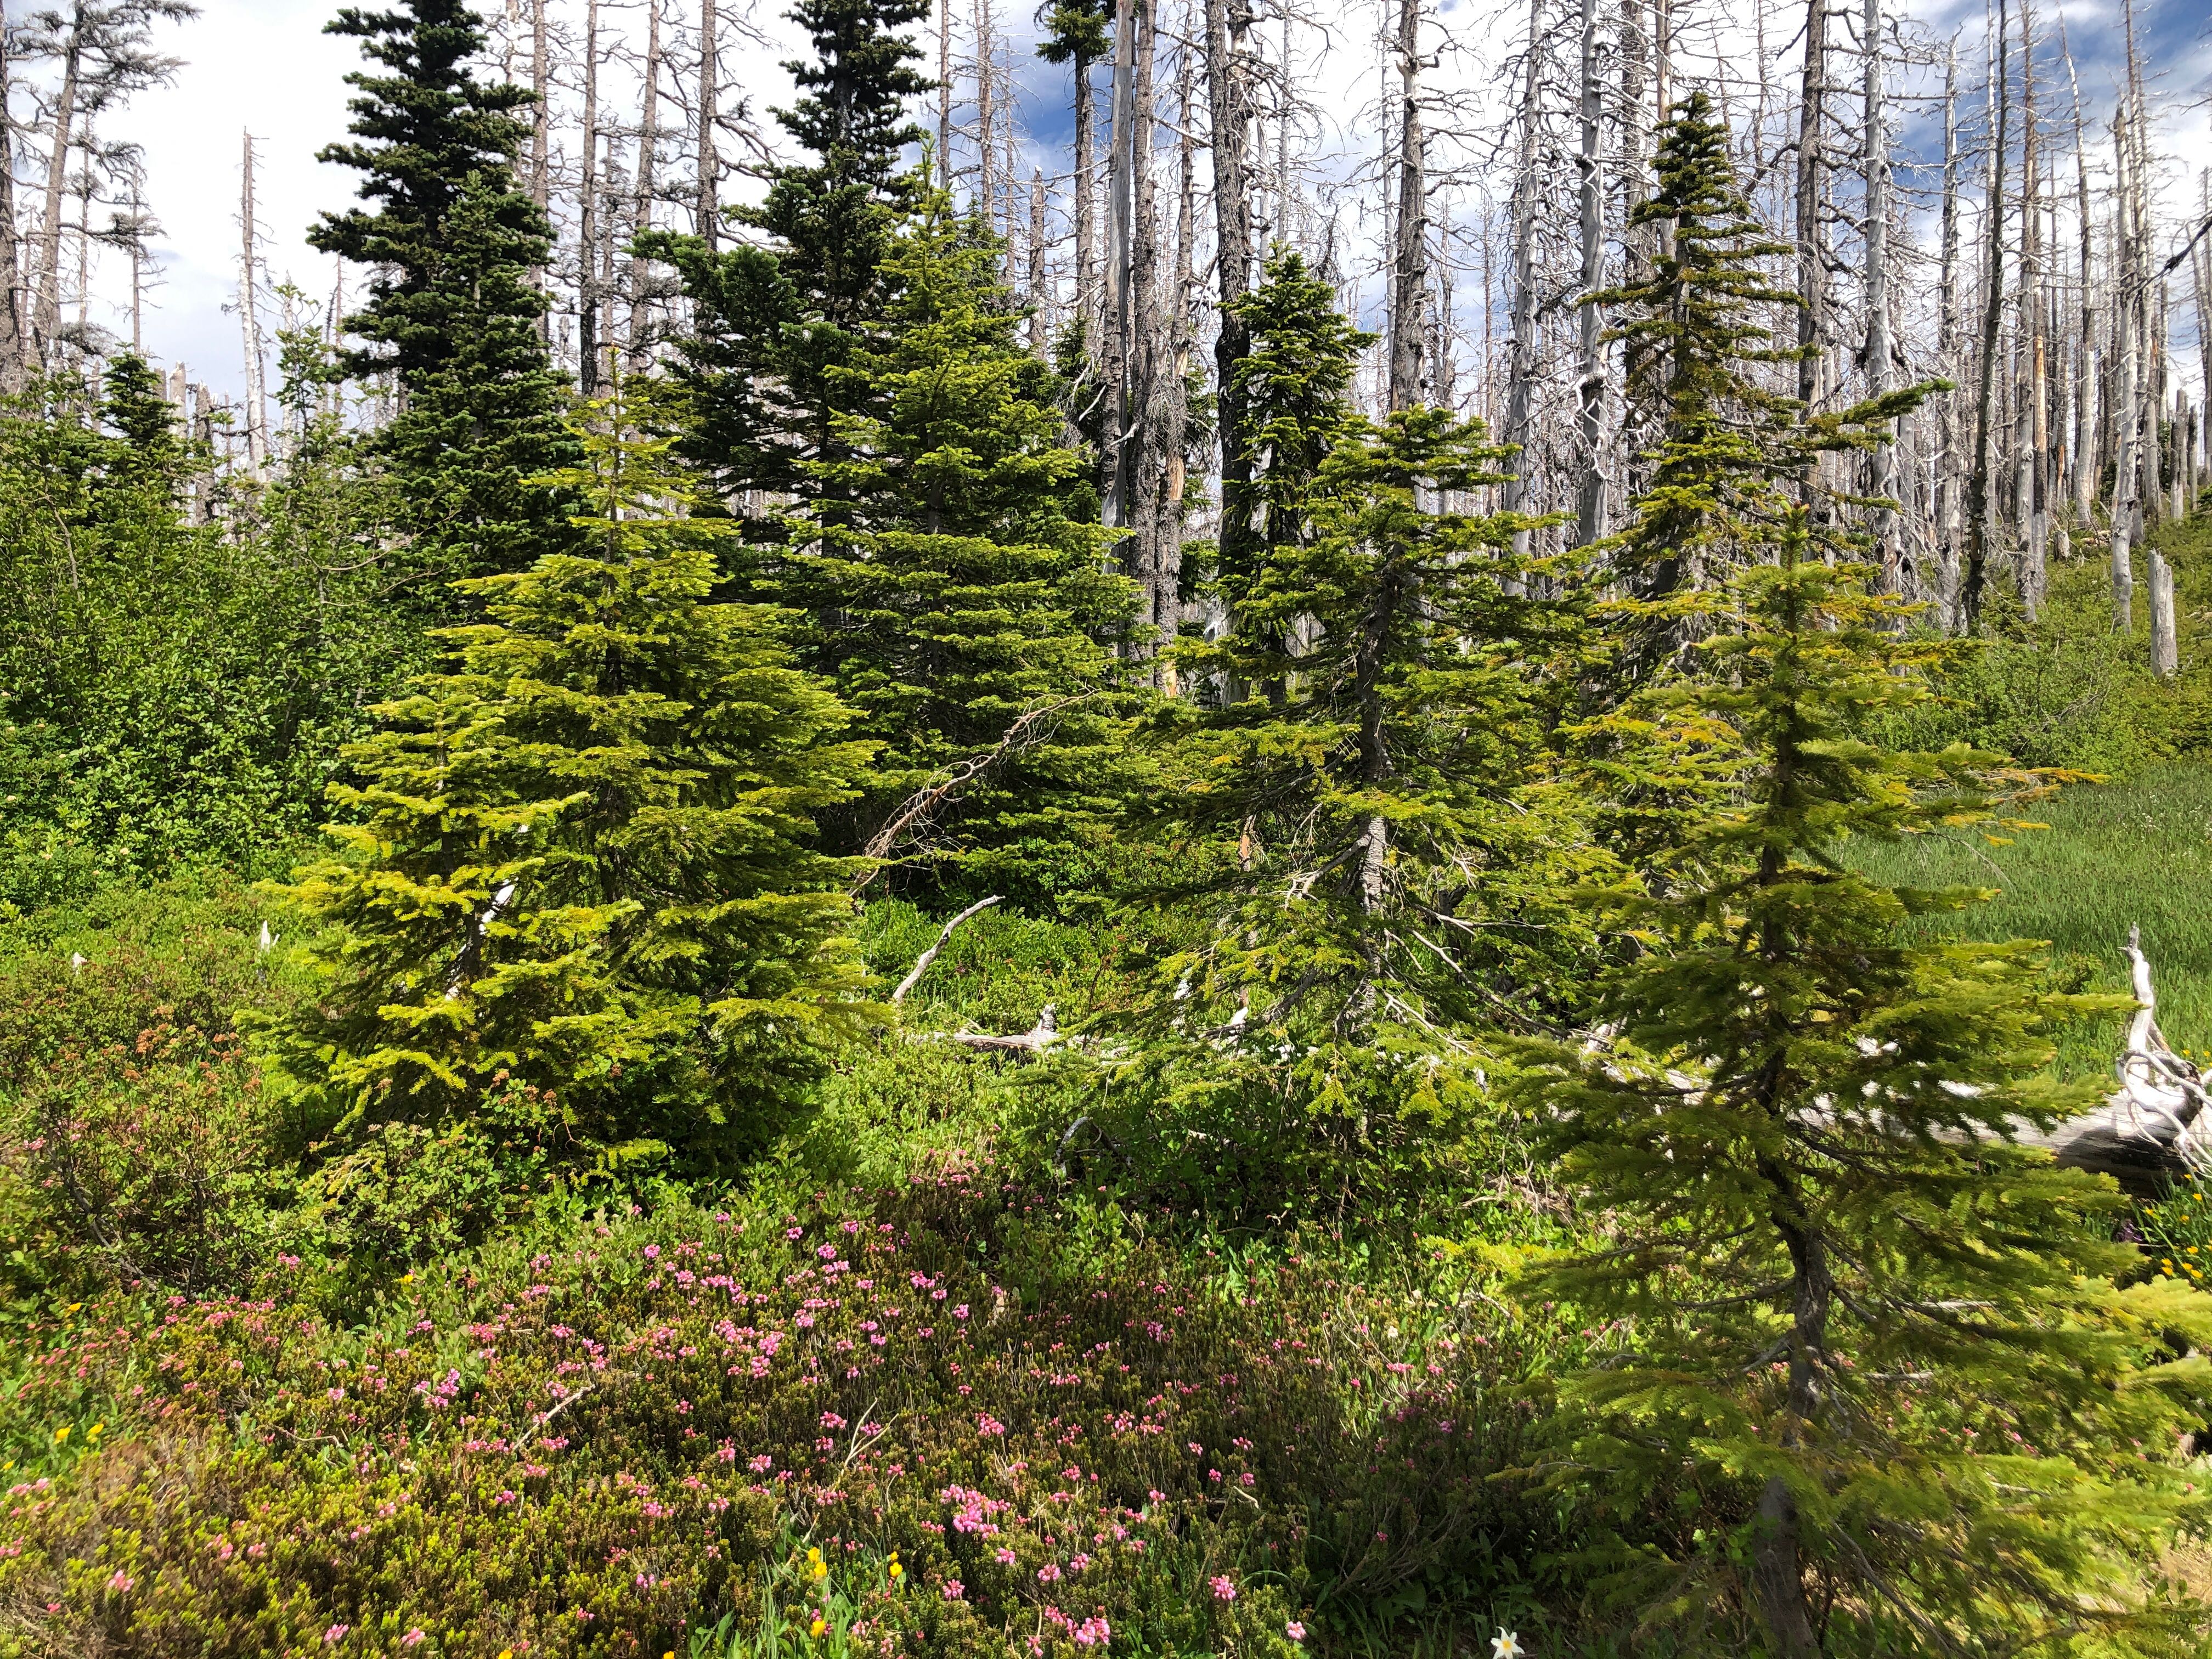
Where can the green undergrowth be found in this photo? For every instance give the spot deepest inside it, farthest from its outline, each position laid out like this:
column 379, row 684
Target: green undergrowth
column 619, row 1437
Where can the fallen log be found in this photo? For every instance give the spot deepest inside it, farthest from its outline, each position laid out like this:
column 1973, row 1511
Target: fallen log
column 2153, row 1126
column 1035, row 1040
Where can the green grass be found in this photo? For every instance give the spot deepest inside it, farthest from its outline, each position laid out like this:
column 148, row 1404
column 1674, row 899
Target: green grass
column 2137, row 854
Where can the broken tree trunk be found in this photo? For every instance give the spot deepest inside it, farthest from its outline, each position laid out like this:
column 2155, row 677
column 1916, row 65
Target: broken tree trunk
column 2152, row 1126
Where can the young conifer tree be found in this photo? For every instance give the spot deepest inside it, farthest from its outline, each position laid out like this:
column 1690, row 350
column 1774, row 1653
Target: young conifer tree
column 580, row 856
column 1867, row 1352
column 1695, row 344
column 453, row 312
column 1361, row 824
column 1294, row 384
column 951, row 571
column 774, row 328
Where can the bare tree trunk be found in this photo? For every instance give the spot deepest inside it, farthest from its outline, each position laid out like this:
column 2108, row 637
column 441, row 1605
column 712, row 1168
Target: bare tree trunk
column 1947, row 480
column 1174, row 329
column 1040, row 329
column 587, row 214
column 1145, row 464
column 986, row 112
column 2031, row 433
column 1086, row 186
column 2200, row 270
column 945, row 94
column 2164, row 652
column 1589, row 388
column 2087, row 366
column 1409, row 278
column 708, row 220
column 541, row 155
column 1521, row 370
column 1981, row 507
column 46, row 323
column 15, row 319
column 1122, row 232
column 640, row 343
column 249, row 319
column 2127, row 416
column 1812, row 262
column 1874, row 169
column 1227, row 102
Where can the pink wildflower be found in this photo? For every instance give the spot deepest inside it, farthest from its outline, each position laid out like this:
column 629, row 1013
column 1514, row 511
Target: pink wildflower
column 1222, row 1590
column 1295, row 1631
column 952, row 1589
column 121, row 1583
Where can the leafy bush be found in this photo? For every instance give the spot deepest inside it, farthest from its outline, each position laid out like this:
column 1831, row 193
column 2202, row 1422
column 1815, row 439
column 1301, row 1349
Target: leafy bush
column 134, row 1140
column 152, row 1161
column 602, row 1441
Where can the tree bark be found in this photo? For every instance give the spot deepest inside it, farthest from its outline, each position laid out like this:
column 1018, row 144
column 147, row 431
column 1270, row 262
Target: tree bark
column 249, row 320
column 46, row 323
column 1946, row 345
column 587, row 214
column 1874, row 170
column 2031, row 434
column 1981, row 508
column 1040, row 329
column 15, row 319
column 1227, row 102
column 986, row 112
column 1086, row 184
column 1811, row 265
column 1120, row 242
column 2164, row 654
column 2087, row 366
column 2127, row 413
column 1589, row 387
column 1409, row 276
column 648, row 162
column 945, row 94
column 709, row 218
column 1520, row 364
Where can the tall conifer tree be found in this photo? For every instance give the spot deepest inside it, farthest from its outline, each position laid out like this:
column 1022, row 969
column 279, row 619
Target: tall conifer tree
column 952, row 568
column 452, row 311
column 775, row 327
column 1730, row 450
column 1368, row 829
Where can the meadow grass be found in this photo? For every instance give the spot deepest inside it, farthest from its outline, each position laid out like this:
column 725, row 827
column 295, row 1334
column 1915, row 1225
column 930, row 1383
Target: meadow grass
column 2113, row 856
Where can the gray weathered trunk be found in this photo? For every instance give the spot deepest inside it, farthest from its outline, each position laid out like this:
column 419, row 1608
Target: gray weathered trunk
column 1409, row 274
column 708, row 220
column 1589, row 385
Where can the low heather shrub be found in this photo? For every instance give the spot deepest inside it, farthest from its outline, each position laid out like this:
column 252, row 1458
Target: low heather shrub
column 631, row 1444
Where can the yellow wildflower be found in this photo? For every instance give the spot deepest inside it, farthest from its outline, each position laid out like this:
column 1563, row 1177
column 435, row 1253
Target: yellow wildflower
column 818, row 1627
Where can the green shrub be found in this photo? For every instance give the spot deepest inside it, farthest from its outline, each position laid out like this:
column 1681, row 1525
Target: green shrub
column 606, row 1439
column 134, row 1140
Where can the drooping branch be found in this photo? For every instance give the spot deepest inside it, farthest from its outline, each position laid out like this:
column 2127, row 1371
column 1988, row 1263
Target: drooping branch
column 918, row 807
